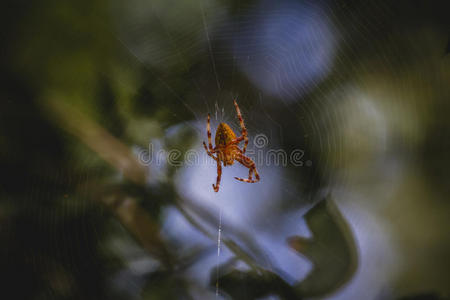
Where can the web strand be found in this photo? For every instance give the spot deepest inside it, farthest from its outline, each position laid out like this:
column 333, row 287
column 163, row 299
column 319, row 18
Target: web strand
column 219, row 233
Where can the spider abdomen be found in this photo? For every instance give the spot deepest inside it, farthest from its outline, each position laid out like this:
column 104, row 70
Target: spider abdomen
column 224, row 135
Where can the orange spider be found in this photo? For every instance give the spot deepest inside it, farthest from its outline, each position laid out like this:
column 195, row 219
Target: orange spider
column 227, row 149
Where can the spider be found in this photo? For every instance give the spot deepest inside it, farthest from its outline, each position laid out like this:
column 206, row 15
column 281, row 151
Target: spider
column 227, row 150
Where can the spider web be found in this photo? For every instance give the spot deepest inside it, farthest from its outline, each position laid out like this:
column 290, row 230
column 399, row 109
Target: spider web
column 276, row 59
column 356, row 86
column 234, row 50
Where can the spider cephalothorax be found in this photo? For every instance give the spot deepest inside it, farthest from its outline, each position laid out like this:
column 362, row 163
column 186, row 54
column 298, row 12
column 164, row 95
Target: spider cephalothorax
column 227, row 150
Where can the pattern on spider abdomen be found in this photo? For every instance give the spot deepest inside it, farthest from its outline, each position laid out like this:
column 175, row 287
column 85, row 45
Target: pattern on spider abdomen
column 224, row 135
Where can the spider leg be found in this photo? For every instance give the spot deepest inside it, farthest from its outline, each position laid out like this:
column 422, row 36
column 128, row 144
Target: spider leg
column 208, row 130
column 244, row 130
column 247, row 162
column 219, row 175
column 209, row 152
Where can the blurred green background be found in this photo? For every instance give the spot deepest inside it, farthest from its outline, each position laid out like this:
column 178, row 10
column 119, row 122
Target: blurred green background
column 360, row 87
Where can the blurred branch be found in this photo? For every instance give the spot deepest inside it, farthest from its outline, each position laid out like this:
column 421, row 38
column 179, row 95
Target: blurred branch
column 232, row 246
column 114, row 152
column 232, row 231
column 97, row 139
column 140, row 225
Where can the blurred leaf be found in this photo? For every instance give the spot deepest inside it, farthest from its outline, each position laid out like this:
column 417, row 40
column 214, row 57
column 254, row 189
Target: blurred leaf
column 240, row 285
column 166, row 285
column 331, row 249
